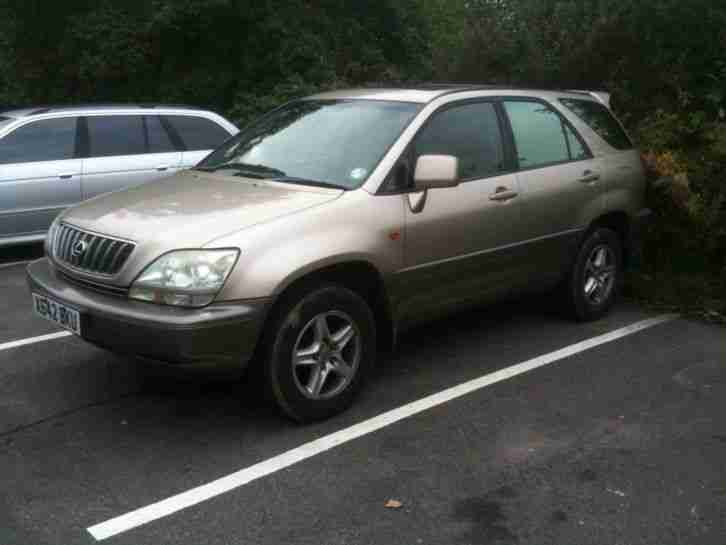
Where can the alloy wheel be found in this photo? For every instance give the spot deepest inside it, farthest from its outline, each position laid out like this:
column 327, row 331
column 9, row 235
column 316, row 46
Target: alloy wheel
column 600, row 274
column 326, row 355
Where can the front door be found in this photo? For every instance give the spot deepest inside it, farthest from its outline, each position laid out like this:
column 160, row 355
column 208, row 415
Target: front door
column 457, row 243
column 124, row 151
column 39, row 175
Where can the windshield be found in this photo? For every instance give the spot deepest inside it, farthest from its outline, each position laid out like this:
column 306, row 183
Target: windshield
column 335, row 143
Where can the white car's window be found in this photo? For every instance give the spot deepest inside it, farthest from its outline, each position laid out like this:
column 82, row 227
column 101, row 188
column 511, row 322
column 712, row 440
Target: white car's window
column 44, row 140
column 159, row 140
column 115, row 135
column 197, row 133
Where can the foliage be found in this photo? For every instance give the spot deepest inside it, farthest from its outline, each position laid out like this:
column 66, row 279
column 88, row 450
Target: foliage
column 665, row 63
column 237, row 56
column 663, row 60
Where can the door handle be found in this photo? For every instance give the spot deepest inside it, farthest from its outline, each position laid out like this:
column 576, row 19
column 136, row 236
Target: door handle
column 162, row 168
column 66, row 175
column 503, row 194
column 589, row 177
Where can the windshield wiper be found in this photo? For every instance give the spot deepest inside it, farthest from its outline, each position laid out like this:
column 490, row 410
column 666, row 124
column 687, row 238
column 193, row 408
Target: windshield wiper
column 306, row 181
column 244, row 169
column 264, row 172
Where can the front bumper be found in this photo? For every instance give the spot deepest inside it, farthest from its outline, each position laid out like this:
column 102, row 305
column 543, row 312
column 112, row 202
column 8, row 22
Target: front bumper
column 220, row 334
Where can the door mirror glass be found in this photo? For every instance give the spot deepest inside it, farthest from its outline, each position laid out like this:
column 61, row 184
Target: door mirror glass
column 434, row 171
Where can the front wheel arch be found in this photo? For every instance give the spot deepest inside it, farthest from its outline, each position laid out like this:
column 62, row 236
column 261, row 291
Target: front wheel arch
column 360, row 277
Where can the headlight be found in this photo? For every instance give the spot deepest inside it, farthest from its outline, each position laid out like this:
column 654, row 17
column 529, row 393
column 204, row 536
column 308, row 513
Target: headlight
column 50, row 237
column 186, row 278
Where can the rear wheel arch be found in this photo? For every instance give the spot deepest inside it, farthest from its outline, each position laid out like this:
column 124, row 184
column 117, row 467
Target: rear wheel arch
column 619, row 222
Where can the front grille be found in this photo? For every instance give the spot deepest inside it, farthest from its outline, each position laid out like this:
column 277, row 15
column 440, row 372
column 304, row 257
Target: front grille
column 89, row 252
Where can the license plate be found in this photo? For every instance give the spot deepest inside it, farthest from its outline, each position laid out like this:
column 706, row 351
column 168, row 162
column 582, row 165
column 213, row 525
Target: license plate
column 66, row 317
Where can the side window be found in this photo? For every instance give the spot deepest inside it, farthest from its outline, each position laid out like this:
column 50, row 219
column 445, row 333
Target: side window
column 46, row 140
column 600, row 120
column 538, row 134
column 578, row 152
column 159, row 140
column 198, row 133
column 114, row 135
column 469, row 132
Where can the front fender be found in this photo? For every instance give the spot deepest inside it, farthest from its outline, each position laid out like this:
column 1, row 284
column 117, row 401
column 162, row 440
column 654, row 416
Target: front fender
column 358, row 227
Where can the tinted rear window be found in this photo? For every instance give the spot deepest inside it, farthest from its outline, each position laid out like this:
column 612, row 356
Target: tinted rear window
column 115, row 135
column 600, row 120
column 46, row 140
column 198, row 133
column 159, row 141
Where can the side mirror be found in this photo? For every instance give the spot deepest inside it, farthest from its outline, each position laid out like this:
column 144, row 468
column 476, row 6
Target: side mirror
column 434, row 171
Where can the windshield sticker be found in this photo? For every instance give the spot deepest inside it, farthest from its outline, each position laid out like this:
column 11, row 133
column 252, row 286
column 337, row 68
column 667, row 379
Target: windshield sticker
column 358, row 173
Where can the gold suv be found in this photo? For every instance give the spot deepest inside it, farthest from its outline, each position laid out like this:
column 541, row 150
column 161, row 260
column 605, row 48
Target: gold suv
column 307, row 242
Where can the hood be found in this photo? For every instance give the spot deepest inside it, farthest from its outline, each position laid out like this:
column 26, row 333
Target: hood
column 192, row 208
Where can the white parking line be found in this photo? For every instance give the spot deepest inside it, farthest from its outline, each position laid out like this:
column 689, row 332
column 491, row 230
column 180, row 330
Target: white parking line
column 33, row 340
column 168, row 506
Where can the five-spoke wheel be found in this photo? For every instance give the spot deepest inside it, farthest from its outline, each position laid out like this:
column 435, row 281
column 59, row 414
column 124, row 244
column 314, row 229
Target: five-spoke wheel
column 322, row 348
column 596, row 275
column 326, row 355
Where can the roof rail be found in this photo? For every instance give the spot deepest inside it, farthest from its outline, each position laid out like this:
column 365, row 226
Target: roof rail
column 82, row 106
column 425, row 85
column 601, row 96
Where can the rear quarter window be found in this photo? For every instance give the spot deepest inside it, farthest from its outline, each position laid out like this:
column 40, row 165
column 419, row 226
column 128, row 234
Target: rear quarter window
column 197, row 133
column 600, row 120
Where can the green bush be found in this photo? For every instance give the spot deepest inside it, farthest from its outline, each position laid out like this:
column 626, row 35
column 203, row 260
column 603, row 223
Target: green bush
column 663, row 60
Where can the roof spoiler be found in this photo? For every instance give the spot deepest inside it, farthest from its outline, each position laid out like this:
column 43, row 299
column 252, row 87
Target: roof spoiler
column 600, row 96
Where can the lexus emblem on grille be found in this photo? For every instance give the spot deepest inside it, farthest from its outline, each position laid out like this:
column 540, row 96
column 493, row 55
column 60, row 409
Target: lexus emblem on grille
column 79, row 248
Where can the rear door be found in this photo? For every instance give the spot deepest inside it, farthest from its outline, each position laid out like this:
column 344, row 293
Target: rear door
column 457, row 244
column 197, row 136
column 40, row 175
column 559, row 181
column 124, row 151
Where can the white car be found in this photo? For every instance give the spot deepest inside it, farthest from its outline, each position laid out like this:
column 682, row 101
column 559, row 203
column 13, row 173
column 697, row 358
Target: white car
column 54, row 157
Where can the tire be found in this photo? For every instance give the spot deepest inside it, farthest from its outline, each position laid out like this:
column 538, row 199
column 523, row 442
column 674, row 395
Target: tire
column 341, row 372
column 594, row 282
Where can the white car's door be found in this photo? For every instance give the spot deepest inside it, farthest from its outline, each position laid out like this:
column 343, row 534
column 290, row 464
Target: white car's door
column 39, row 175
column 124, row 151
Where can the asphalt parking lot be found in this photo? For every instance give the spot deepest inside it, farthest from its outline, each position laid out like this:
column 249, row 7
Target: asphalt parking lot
column 620, row 443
